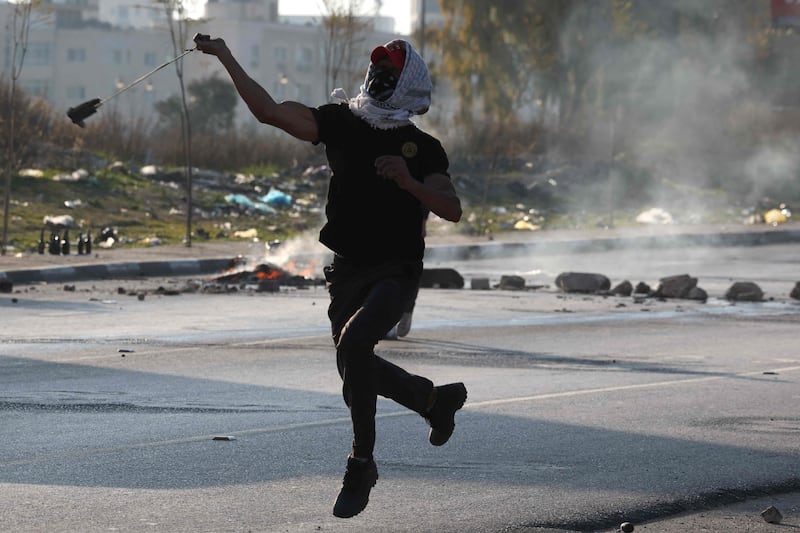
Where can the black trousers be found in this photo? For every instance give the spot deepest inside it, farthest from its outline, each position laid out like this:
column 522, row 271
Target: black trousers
column 365, row 302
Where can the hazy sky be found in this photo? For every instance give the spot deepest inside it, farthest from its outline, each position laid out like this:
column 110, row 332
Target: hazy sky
column 400, row 10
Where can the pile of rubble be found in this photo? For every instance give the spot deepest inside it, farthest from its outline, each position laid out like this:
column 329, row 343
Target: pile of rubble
column 682, row 286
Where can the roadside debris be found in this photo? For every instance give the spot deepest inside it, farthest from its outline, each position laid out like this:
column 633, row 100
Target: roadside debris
column 265, row 272
column 774, row 217
column 59, row 221
column 582, row 282
column 31, row 173
column 511, row 282
column 624, row 288
column 251, row 233
column 441, row 278
column 480, row 284
column 682, row 286
column 795, row 294
column 745, row 291
column 655, row 215
column 772, row 515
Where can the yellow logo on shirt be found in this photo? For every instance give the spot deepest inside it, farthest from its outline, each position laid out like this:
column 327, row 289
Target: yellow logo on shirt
column 409, row 149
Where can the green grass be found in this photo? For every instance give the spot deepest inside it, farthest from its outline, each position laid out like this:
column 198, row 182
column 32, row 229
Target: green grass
column 138, row 208
column 141, row 209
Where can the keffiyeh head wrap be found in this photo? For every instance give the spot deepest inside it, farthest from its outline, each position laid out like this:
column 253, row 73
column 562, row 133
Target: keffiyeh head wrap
column 412, row 96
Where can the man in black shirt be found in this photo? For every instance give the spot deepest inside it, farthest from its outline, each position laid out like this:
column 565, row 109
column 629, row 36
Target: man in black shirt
column 386, row 173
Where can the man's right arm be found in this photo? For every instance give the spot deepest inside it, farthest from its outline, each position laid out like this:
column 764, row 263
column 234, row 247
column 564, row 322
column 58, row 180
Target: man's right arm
column 294, row 118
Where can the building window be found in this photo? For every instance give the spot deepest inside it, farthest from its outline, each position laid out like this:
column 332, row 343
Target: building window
column 305, row 59
column 303, row 93
column 280, row 90
column 281, row 56
column 39, row 54
column 76, row 55
column 38, row 88
column 77, row 92
column 255, row 56
column 119, row 57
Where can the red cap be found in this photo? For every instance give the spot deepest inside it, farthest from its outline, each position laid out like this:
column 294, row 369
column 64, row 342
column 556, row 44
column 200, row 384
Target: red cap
column 394, row 50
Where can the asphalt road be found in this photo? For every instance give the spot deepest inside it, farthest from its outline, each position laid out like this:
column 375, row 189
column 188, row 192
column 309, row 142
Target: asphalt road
column 583, row 411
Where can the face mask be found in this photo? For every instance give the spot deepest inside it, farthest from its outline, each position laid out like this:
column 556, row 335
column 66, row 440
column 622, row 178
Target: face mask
column 381, row 83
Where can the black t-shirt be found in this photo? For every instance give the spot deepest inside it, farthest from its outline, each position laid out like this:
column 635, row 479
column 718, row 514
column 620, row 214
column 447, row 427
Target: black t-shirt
column 370, row 219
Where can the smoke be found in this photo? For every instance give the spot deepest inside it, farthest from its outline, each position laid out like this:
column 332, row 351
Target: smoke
column 300, row 255
column 772, row 170
column 689, row 113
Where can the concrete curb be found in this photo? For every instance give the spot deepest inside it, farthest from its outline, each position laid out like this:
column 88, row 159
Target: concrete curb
column 647, row 242
column 188, row 267
column 177, row 267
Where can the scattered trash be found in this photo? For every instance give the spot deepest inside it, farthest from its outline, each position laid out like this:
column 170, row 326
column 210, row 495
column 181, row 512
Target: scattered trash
column 656, row 215
column 526, row 225
column 251, row 233
column 167, row 292
column 243, row 201
column 31, row 173
column 224, row 437
column 59, row 221
column 772, row 515
column 148, row 170
column 276, row 197
column 777, row 216
column 150, row 241
column 243, row 179
column 108, row 237
column 78, row 175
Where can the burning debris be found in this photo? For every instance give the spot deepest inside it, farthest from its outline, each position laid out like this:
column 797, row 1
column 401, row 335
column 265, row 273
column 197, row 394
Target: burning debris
column 268, row 277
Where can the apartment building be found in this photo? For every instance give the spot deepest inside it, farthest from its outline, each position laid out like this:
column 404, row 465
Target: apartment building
column 84, row 49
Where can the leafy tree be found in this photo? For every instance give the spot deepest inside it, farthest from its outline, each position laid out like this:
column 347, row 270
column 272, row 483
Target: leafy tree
column 593, row 58
column 19, row 29
column 212, row 106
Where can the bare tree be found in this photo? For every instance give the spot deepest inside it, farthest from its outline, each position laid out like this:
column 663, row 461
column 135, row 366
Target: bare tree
column 19, row 28
column 345, row 32
column 175, row 11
